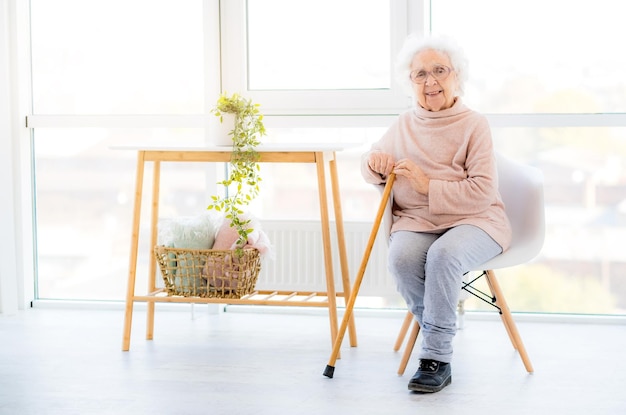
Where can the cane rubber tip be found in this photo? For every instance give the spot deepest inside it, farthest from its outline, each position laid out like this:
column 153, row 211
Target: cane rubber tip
column 329, row 371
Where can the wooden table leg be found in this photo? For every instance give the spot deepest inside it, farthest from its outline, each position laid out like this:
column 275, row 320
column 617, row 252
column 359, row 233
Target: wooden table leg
column 328, row 259
column 156, row 182
column 134, row 245
column 341, row 241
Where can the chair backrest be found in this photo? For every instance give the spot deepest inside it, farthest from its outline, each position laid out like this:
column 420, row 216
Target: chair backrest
column 521, row 188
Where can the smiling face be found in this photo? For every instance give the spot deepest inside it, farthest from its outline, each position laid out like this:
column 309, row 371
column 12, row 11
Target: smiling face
column 433, row 94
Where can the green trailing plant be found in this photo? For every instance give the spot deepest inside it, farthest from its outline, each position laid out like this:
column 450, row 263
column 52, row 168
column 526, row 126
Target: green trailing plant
column 242, row 183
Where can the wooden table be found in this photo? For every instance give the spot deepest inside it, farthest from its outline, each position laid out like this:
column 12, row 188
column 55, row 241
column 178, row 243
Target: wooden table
column 320, row 154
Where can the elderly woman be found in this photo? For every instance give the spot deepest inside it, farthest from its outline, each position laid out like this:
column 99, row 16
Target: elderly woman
column 448, row 214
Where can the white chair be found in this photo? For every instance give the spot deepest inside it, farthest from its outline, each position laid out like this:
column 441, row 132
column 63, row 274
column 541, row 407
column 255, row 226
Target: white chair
column 521, row 187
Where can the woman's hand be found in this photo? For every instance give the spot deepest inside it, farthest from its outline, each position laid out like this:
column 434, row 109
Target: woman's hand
column 381, row 163
column 418, row 180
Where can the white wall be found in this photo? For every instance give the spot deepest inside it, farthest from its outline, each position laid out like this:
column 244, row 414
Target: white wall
column 16, row 242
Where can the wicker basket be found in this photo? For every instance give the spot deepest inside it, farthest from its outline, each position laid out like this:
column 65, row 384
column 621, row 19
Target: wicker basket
column 207, row 272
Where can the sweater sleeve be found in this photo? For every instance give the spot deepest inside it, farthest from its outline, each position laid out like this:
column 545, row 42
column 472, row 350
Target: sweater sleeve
column 368, row 174
column 478, row 190
column 384, row 145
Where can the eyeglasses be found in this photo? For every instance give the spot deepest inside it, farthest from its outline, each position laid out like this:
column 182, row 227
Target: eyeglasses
column 439, row 72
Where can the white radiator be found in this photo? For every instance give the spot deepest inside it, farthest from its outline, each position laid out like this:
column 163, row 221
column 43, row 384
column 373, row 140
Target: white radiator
column 299, row 258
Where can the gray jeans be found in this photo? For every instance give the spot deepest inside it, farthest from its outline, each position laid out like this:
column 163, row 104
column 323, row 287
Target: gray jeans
column 429, row 269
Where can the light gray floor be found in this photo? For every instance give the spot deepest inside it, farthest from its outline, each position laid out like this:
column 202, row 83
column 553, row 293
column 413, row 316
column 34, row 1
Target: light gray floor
column 55, row 361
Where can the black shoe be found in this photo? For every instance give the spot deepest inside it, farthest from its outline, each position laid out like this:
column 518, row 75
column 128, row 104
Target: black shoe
column 432, row 376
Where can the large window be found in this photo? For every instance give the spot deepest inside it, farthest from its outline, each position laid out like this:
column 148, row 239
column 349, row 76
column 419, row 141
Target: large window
column 109, row 62
column 321, row 57
column 117, row 57
column 85, row 195
column 288, row 51
column 151, row 81
column 567, row 73
column 147, row 72
column 538, row 56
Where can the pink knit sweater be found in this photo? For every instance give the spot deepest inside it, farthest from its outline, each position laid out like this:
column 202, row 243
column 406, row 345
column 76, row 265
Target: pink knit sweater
column 454, row 149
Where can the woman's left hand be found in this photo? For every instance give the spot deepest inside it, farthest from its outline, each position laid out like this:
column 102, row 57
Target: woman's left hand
column 418, row 180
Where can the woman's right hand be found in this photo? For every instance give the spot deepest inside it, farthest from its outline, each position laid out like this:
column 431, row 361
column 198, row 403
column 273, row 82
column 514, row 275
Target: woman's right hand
column 381, row 163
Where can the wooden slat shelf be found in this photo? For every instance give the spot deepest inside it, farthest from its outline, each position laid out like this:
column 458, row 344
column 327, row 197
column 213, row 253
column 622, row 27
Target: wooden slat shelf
column 260, row 297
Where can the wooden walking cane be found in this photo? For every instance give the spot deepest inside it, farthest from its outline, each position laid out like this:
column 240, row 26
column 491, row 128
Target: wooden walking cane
column 330, row 368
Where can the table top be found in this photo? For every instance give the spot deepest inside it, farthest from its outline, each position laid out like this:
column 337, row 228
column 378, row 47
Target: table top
column 263, row 148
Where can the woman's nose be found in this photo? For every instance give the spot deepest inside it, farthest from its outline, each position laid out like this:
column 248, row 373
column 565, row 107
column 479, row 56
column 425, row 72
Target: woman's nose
column 430, row 79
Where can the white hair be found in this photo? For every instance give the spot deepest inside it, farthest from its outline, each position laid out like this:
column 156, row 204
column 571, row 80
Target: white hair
column 415, row 44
